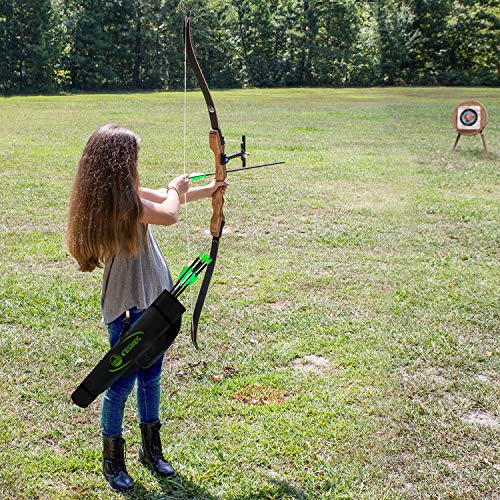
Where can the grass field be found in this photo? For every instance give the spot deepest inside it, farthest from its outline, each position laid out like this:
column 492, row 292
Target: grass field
column 350, row 336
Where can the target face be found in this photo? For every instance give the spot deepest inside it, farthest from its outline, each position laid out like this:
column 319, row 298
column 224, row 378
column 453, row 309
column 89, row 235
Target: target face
column 469, row 117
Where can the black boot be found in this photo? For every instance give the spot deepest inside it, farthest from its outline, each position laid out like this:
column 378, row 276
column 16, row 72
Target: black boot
column 113, row 464
column 150, row 453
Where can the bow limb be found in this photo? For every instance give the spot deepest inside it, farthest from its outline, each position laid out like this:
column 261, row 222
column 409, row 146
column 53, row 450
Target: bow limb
column 216, row 142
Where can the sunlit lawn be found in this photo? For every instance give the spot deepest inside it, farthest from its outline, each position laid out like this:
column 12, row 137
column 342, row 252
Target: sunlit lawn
column 349, row 340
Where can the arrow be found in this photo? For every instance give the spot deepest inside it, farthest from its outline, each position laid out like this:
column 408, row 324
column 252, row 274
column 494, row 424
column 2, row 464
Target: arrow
column 190, row 274
column 197, row 177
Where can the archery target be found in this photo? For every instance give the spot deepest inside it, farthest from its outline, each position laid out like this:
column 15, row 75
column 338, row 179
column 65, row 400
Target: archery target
column 469, row 118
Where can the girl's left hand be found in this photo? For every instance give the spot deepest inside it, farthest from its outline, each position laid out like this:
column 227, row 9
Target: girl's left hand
column 214, row 185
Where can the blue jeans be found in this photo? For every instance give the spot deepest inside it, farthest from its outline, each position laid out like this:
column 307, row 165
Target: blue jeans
column 148, row 388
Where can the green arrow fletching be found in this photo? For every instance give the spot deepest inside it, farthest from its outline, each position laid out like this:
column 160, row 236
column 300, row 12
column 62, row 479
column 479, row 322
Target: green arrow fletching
column 184, row 273
column 197, row 177
column 192, row 279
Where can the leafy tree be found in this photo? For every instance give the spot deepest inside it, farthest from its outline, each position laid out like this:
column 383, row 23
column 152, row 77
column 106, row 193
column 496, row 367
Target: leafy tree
column 8, row 47
column 119, row 25
column 86, row 59
column 29, row 45
column 364, row 62
column 427, row 53
column 397, row 38
column 103, row 39
column 255, row 38
column 315, row 40
column 151, row 46
column 338, row 27
column 214, row 33
column 125, row 44
column 472, row 38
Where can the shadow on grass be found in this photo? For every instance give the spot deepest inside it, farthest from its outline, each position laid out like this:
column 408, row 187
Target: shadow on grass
column 277, row 489
column 181, row 488
column 178, row 488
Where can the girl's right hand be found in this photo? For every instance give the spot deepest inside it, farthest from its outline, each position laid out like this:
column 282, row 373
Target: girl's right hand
column 180, row 183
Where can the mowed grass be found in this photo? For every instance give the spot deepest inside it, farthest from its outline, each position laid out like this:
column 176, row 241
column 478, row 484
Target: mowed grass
column 349, row 339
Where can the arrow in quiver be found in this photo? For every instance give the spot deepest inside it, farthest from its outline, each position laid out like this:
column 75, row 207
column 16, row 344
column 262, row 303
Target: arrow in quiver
column 143, row 344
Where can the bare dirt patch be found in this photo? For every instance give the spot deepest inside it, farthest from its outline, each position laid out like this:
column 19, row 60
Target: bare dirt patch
column 311, row 363
column 281, row 305
column 259, row 395
column 481, row 417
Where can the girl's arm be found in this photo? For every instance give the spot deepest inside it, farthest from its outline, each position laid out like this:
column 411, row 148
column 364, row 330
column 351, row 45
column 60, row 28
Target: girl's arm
column 156, row 195
column 193, row 194
column 161, row 206
column 165, row 213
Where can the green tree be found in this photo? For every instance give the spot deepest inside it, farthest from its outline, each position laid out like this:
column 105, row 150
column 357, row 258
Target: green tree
column 151, row 43
column 364, row 62
column 30, row 45
column 86, row 58
column 255, row 38
column 338, row 26
column 427, row 52
column 396, row 39
column 102, row 38
column 119, row 25
column 8, row 47
column 473, row 32
column 124, row 44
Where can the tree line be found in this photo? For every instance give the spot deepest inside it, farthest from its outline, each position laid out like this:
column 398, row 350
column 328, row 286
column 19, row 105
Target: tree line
column 88, row 45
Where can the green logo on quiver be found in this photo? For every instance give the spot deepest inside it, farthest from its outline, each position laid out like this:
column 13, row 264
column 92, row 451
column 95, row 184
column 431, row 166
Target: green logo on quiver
column 116, row 360
column 130, row 342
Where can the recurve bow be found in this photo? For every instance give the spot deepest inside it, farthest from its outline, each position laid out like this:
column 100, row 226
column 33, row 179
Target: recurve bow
column 216, row 141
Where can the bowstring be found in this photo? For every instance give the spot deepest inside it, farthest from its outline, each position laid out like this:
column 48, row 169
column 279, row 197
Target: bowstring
column 186, row 211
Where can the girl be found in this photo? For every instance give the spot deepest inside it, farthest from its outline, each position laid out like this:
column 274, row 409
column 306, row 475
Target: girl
column 109, row 217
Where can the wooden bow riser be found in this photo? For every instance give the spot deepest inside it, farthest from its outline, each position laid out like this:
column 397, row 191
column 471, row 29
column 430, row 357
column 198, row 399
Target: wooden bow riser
column 217, row 147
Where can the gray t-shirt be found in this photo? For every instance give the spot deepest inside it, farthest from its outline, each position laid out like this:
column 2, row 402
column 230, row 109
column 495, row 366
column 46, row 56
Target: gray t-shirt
column 134, row 281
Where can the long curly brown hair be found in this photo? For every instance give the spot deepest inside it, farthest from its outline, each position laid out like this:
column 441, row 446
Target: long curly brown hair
column 105, row 207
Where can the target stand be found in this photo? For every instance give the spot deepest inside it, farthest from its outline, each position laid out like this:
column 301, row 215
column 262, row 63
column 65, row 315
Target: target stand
column 470, row 118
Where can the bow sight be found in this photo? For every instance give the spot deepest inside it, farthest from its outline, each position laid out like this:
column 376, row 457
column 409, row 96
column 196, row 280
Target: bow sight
column 241, row 154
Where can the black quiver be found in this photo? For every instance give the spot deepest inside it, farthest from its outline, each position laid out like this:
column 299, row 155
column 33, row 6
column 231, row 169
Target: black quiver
column 139, row 347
